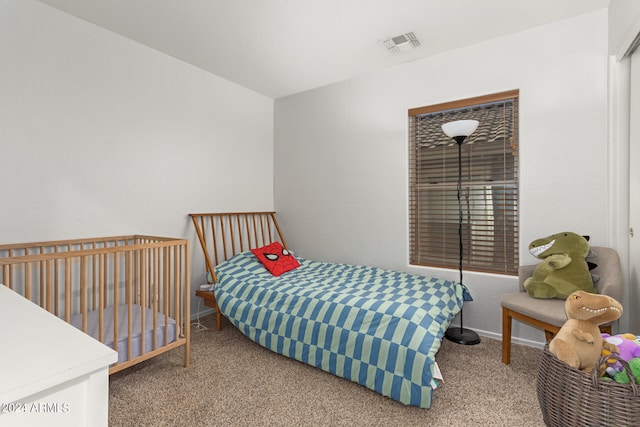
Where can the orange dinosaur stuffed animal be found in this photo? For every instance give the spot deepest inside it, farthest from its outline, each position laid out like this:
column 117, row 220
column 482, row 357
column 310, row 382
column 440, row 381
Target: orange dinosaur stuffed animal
column 579, row 343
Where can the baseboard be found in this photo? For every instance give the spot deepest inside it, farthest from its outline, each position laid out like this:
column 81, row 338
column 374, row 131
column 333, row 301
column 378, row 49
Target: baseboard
column 202, row 313
column 514, row 340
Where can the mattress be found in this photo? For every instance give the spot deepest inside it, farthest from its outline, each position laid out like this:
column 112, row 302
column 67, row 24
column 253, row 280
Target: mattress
column 123, row 329
column 379, row 328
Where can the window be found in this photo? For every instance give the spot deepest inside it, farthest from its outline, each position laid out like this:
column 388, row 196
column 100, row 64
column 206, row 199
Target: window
column 489, row 193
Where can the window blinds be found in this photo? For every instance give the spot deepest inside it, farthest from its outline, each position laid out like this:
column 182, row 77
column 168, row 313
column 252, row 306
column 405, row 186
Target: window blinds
column 489, row 194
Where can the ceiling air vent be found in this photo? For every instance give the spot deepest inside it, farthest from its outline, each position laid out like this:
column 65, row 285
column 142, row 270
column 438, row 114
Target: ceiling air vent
column 401, row 43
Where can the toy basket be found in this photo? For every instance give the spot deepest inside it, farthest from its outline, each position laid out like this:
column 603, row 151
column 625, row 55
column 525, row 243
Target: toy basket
column 570, row 397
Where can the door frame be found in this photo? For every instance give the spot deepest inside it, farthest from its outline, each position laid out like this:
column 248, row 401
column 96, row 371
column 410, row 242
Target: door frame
column 618, row 151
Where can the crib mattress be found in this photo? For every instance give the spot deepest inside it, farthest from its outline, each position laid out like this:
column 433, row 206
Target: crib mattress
column 123, row 329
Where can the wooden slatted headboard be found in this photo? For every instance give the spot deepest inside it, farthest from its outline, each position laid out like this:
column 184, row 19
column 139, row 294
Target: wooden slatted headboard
column 223, row 235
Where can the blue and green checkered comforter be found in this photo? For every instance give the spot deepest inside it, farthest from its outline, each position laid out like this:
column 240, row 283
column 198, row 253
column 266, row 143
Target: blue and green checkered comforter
column 379, row 328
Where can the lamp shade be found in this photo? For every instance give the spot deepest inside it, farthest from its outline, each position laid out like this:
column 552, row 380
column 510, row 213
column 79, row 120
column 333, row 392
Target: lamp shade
column 460, row 128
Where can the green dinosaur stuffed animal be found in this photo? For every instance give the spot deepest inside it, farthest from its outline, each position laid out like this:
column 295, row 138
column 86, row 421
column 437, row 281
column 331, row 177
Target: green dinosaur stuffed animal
column 564, row 268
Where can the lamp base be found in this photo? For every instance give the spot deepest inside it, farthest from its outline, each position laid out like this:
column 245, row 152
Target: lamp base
column 462, row 336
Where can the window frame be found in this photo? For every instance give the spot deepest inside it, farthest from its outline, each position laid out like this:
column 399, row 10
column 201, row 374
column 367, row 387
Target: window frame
column 509, row 264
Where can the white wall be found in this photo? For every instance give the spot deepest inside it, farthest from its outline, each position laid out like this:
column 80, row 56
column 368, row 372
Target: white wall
column 103, row 136
column 341, row 151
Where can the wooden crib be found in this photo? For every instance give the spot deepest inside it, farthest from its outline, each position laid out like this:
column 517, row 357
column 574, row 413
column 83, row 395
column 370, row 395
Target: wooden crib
column 129, row 292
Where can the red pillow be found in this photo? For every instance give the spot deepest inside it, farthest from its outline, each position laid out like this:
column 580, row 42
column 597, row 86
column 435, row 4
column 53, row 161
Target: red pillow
column 276, row 258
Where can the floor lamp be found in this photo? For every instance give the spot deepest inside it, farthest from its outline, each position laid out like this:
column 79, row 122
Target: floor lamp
column 459, row 131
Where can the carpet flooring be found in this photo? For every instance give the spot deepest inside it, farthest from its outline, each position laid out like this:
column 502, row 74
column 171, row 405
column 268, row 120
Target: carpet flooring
column 235, row 382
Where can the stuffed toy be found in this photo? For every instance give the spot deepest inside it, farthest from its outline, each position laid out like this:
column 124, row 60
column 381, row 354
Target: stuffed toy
column 579, row 342
column 564, row 268
column 628, row 348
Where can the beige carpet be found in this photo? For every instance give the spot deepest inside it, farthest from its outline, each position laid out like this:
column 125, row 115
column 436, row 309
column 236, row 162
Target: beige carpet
column 235, row 382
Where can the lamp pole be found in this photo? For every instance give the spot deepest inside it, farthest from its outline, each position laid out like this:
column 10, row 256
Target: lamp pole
column 459, row 131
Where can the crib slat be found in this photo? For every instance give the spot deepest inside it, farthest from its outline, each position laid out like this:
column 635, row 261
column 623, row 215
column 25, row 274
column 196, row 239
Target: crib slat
column 116, row 299
column 47, row 285
column 101, row 297
column 166, row 284
column 159, row 293
column 153, row 282
column 42, row 286
column 176, row 276
column 184, row 315
column 6, row 276
column 94, row 280
column 67, row 289
column 83, row 292
column 129, row 286
column 143, row 302
column 56, row 308
column 27, row 281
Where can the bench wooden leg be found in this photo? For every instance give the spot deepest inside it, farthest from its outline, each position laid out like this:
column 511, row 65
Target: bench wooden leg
column 506, row 336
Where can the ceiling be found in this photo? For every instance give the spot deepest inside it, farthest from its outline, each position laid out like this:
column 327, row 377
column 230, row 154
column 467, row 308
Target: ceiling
column 281, row 47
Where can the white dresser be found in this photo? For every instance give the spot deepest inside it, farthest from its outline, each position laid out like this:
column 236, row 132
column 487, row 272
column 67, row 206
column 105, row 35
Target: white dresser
column 50, row 372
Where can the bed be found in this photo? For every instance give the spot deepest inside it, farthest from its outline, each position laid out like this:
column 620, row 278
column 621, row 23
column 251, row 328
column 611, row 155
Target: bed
column 129, row 292
column 376, row 327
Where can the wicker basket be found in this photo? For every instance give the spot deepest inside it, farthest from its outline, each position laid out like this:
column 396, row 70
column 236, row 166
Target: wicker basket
column 570, row 397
